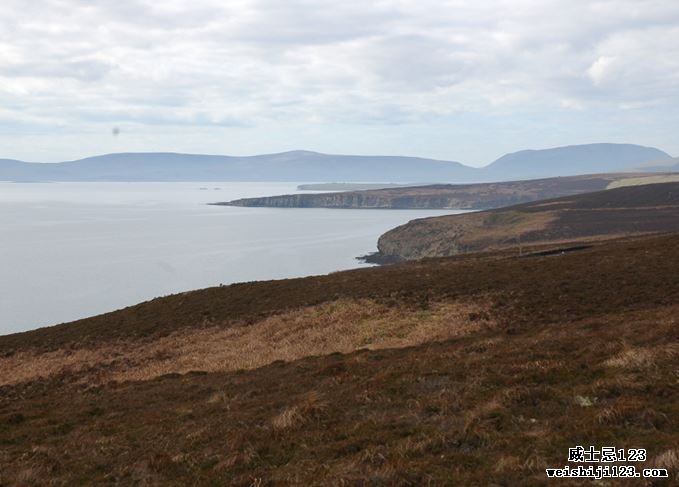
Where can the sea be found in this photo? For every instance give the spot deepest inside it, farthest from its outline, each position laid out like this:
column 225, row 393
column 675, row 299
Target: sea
column 73, row 250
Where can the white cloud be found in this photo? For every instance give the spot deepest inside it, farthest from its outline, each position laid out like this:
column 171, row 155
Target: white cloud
column 257, row 64
column 602, row 69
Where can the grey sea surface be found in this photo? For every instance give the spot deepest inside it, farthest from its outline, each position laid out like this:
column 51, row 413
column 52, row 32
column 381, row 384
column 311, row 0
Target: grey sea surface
column 72, row 250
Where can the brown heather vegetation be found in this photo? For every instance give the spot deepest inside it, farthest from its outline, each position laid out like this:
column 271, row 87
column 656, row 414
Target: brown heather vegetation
column 474, row 370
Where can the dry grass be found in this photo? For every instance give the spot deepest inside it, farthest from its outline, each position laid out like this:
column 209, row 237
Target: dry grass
column 668, row 459
column 541, row 365
column 503, row 228
column 338, row 326
column 642, row 358
column 634, row 358
column 508, row 462
column 310, row 406
column 508, row 226
column 621, row 183
column 30, row 365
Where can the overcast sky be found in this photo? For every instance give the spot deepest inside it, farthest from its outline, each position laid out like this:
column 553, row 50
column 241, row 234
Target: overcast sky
column 458, row 80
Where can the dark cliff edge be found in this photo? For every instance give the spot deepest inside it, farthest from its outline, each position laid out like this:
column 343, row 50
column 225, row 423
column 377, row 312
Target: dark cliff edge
column 626, row 211
column 480, row 196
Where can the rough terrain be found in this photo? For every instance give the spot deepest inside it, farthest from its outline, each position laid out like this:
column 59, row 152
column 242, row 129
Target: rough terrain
column 630, row 210
column 481, row 369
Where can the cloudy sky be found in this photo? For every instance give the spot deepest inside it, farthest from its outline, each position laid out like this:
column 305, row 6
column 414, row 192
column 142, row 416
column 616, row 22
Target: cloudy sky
column 464, row 80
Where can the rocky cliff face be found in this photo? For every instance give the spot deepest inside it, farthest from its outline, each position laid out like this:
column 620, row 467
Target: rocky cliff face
column 353, row 199
column 376, row 200
column 441, row 196
column 418, row 239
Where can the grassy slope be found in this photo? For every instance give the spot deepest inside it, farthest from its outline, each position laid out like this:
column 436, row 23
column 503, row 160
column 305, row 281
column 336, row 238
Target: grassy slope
column 583, row 349
column 633, row 210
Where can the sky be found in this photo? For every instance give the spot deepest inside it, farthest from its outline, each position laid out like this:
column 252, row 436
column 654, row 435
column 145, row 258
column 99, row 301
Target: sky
column 449, row 79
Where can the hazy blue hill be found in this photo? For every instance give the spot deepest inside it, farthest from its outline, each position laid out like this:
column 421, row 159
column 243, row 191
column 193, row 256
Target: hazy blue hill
column 11, row 170
column 571, row 161
column 147, row 167
column 667, row 165
column 288, row 166
column 305, row 166
column 674, row 167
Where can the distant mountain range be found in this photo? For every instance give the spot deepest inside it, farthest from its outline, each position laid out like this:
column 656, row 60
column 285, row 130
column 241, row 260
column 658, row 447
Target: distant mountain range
column 301, row 166
column 573, row 160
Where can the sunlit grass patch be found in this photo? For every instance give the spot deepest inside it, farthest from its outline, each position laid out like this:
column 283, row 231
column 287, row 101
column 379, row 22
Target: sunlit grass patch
column 342, row 326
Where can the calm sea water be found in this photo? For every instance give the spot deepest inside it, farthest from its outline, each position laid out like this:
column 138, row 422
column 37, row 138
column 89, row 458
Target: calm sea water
column 71, row 250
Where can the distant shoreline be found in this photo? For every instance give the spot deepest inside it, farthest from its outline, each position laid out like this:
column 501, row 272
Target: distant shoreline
column 475, row 196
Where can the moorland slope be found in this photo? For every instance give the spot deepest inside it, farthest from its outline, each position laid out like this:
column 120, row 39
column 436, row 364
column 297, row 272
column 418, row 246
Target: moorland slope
column 480, row 369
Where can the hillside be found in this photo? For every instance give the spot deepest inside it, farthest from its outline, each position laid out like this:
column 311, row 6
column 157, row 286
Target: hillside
column 481, row 369
column 460, row 196
column 631, row 210
column 306, row 166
